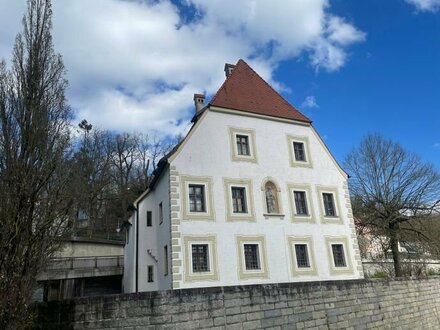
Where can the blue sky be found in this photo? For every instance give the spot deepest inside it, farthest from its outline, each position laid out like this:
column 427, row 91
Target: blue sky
column 353, row 66
column 390, row 84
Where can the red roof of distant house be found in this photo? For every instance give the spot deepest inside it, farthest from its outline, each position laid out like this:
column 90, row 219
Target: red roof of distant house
column 245, row 90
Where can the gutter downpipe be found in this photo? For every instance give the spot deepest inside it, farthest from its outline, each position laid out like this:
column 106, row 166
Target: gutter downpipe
column 137, row 247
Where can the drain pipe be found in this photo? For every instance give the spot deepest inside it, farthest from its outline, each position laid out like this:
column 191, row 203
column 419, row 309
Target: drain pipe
column 132, row 208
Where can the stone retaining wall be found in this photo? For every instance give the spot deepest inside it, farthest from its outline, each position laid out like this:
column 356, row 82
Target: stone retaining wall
column 357, row 304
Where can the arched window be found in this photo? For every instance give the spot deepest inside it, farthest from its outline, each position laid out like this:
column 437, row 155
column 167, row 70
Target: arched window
column 272, row 203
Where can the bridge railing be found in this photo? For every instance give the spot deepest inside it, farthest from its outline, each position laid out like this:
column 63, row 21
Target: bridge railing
column 65, row 263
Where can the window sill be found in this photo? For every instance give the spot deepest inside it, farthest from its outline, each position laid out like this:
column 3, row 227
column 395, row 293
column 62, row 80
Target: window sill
column 276, row 215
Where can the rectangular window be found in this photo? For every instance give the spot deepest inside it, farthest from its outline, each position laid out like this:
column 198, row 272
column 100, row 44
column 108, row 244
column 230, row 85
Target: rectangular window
column 239, row 200
column 165, row 259
column 150, row 274
column 149, row 219
column 197, row 198
column 251, row 257
column 329, row 204
column 242, row 145
column 302, row 256
column 298, row 148
column 200, row 258
column 338, row 255
column 160, row 213
column 300, row 202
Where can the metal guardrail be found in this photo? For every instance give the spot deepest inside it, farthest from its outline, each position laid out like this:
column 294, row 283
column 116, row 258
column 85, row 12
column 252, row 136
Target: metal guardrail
column 67, row 263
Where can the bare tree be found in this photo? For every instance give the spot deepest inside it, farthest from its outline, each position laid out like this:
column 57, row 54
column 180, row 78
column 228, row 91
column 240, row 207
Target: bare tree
column 34, row 139
column 392, row 187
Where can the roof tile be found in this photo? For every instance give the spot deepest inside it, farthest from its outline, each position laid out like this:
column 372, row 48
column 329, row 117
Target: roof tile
column 245, row 90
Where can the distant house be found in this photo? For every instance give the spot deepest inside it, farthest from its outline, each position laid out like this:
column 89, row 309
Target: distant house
column 251, row 195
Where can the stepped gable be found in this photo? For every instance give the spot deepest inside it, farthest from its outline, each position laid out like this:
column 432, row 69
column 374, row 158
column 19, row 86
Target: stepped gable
column 245, row 90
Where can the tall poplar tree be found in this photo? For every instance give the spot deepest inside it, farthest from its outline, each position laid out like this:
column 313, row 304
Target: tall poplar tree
column 34, row 139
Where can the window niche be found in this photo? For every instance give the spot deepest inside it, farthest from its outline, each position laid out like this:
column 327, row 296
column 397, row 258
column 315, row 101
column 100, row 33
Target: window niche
column 338, row 254
column 271, row 198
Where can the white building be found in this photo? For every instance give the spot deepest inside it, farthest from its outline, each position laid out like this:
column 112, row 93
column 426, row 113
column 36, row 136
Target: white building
column 252, row 195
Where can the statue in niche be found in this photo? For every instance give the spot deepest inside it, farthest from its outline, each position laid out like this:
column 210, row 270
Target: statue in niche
column 271, row 198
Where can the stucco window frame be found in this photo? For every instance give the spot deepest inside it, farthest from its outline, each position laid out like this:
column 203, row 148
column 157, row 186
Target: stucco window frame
column 343, row 240
column 250, row 133
column 207, row 182
column 305, row 141
column 211, row 241
column 266, row 214
column 302, row 271
column 242, row 183
column 334, row 191
column 307, row 188
column 260, row 241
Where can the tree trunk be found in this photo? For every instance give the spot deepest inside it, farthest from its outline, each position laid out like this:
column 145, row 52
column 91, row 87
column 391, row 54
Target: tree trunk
column 394, row 243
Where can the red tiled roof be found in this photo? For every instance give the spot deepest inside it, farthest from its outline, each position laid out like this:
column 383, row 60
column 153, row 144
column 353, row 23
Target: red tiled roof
column 245, row 90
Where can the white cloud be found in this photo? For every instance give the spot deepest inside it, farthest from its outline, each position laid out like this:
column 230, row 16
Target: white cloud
column 310, row 102
column 425, row 5
column 134, row 65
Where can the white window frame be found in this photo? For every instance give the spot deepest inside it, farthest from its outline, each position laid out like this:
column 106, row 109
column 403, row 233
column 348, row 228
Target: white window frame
column 187, row 214
column 302, row 271
column 305, row 141
column 250, row 134
column 189, row 274
column 310, row 217
column 244, row 273
column 240, row 183
column 343, row 240
column 334, row 191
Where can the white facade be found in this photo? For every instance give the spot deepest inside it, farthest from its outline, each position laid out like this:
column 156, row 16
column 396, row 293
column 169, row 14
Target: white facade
column 208, row 157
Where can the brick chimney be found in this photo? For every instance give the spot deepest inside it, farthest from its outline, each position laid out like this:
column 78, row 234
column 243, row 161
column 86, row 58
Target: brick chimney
column 228, row 69
column 199, row 102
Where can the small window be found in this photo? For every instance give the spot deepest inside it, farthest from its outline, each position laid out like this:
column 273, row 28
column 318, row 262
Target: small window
column 239, row 200
column 338, row 255
column 149, row 219
column 150, row 274
column 271, row 193
column 197, row 198
column 300, row 202
column 251, row 257
column 300, row 155
column 160, row 213
column 329, row 204
column 302, row 256
column 200, row 258
column 242, row 145
column 165, row 253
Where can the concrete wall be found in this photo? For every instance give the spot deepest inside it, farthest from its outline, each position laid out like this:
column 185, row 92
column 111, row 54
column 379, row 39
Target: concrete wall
column 352, row 304
column 83, row 247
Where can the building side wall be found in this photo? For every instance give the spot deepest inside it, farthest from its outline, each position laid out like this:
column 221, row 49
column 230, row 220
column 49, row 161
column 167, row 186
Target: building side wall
column 152, row 240
column 207, row 153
